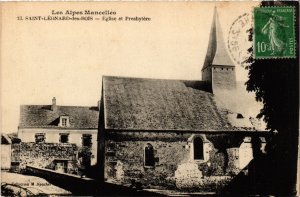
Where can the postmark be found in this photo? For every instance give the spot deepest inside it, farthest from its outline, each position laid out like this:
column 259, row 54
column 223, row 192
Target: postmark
column 238, row 42
column 274, row 32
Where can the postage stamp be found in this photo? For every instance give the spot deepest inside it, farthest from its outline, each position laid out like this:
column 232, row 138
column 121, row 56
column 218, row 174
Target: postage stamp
column 274, row 32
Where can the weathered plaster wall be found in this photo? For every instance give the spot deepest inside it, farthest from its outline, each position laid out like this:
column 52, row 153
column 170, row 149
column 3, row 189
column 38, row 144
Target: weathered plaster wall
column 52, row 136
column 124, row 159
column 246, row 151
column 223, row 77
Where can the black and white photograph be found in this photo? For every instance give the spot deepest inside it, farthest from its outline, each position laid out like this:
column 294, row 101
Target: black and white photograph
column 162, row 98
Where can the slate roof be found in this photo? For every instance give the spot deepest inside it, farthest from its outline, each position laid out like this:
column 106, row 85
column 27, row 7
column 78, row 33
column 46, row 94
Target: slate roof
column 41, row 116
column 158, row 104
column 216, row 51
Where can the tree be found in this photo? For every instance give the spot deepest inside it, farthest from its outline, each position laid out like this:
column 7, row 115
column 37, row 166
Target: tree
column 276, row 84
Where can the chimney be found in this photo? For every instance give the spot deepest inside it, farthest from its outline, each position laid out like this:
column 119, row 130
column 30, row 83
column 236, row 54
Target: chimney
column 53, row 106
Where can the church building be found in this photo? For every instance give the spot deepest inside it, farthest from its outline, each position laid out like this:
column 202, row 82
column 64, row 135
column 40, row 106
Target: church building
column 173, row 134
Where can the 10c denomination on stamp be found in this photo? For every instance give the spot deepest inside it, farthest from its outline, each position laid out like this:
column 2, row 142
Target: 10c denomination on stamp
column 274, row 32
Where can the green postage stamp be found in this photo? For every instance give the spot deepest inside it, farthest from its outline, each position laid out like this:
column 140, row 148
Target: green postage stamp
column 274, row 32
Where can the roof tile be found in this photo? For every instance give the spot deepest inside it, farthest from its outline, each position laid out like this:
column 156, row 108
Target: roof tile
column 158, row 104
column 42, row 116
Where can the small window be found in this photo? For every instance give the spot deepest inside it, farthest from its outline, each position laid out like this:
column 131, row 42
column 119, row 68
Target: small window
column 64, row 138
column 61, row 165
column 64, row 122
column 149, row 156
column 198, row 149
column 40, row 138
column 87, row 140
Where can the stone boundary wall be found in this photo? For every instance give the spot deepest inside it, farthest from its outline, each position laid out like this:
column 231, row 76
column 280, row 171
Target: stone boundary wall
column 42, row 155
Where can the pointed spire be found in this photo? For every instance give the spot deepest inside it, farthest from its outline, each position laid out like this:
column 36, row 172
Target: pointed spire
column 216, row 52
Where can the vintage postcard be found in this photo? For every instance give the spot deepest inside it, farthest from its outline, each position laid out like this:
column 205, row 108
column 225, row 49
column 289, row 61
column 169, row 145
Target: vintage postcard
column 149, row 98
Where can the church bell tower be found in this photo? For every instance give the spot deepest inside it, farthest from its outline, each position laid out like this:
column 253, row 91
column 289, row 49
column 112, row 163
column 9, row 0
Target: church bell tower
column 218, row 68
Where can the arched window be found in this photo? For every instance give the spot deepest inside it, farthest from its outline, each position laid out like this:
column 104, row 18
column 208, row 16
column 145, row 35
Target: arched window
column 149, row 156
column 198, row 149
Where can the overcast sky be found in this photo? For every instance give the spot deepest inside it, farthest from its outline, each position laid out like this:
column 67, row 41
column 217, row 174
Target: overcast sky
column 43, row 59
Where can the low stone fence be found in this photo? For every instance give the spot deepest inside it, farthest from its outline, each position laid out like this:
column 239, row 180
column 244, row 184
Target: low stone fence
column 72, row 183
column 42, row 155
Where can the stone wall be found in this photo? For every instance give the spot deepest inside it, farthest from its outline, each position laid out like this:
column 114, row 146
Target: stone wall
column 42, row 155
column 124, row 159
column 53, row 135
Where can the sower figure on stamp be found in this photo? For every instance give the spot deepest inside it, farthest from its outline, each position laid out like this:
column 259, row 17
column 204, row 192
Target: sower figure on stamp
column 272, row 28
